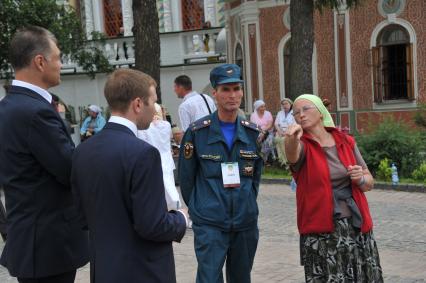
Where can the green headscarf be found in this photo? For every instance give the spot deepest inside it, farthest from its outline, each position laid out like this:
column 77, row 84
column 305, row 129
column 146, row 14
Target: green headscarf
column 326, row 117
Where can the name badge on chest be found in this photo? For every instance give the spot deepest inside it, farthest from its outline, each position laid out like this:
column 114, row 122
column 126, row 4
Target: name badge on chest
column 230, row 174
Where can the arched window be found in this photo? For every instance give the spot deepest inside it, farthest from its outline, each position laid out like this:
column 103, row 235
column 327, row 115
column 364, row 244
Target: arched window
column 393, row 65
column 192, row 14
column 113, row 17
column 239, row 60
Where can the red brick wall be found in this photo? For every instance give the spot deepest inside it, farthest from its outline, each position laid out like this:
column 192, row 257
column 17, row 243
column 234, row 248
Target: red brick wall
column 415, row 13
column 272, row 30
column 363, row 20
column 364, row 120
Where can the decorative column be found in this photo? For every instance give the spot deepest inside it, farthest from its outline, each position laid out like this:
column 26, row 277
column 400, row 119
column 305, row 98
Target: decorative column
column 249, row 20
column 343, row 67
column 127, row 17
column 165, row 15
column 210, row 12
column 253, row 61
column 220, row 13
column 88, row 17
column 176, row 15
column 341, row 59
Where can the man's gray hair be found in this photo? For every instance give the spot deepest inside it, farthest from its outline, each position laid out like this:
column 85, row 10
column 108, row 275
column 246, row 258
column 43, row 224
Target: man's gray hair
column 27, row 43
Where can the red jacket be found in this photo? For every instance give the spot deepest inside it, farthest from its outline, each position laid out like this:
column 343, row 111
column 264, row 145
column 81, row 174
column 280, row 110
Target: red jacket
column 314, row 194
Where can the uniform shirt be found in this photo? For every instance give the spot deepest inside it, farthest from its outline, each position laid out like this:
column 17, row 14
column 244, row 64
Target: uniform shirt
column 202, row 152
column 228, row 131
column 193, row 108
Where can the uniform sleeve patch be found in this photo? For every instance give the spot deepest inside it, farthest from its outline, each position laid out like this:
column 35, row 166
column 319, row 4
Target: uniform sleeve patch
column 188, row 150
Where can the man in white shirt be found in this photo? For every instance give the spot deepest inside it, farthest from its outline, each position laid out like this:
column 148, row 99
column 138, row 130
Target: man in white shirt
column 195, row 105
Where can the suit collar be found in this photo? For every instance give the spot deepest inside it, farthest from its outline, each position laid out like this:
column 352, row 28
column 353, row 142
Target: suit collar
column 42, row 92
column 26, row 91
column 124, row 122
column 118, row 127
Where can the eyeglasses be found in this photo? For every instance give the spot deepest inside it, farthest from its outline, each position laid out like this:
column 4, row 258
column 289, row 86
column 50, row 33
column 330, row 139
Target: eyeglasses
column 304, row 109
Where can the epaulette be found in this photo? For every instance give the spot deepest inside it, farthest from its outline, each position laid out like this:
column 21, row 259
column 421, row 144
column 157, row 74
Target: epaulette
column 250, row 125
column 200, row 124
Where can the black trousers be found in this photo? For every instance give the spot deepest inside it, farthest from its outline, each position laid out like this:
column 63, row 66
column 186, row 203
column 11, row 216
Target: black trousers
column 68, row 277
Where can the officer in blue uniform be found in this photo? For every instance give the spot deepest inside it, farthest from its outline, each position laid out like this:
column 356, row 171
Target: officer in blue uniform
column 219, row 173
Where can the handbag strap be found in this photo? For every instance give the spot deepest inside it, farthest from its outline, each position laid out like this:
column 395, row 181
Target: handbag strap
column 207, row 104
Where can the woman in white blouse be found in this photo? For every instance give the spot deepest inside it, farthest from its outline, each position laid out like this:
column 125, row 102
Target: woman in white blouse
column 158, row 135
column 282, row 121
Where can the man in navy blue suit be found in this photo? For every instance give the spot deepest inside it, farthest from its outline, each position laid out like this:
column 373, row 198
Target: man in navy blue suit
column 118, row 180
column 45, row 240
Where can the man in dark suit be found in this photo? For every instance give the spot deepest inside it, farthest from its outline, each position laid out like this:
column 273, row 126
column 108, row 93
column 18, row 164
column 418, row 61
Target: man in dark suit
column 45, row 241
column 118, row 179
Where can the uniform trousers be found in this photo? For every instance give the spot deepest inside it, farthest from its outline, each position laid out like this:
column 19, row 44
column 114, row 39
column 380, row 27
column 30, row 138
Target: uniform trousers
column 213, row 246
column 67, row 277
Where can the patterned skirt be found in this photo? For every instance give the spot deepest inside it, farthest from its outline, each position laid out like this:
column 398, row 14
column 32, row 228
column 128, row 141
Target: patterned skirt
column 346, row 255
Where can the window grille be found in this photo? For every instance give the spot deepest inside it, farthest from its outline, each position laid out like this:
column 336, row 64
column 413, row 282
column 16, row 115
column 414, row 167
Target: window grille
column 113, row 17
column 393, row 71
column 192, row 14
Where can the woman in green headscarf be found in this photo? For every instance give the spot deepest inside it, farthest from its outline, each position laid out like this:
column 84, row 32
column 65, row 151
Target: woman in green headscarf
column 333, row 218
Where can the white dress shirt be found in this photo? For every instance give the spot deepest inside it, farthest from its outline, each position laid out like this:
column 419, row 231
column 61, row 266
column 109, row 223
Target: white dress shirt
column 44, row 93
column 193, row 108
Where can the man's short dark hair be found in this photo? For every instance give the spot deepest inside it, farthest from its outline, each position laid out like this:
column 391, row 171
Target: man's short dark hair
column 124, row 85
column 27, row 43
column 184, row 81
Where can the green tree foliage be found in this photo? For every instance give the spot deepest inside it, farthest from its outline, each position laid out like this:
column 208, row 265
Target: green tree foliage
column 419, row 174
column 395, row 141
column 420, row 116
column 62, row 21
column 384, row 172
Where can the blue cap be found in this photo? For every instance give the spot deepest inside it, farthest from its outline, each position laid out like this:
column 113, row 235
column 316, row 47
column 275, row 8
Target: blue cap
column 225, row 74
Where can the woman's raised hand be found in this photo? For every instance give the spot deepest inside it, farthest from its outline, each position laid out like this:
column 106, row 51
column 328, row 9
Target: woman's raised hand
column 294, row 132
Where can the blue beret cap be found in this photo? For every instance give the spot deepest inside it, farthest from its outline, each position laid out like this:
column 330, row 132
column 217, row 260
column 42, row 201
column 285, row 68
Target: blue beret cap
column 225, row 74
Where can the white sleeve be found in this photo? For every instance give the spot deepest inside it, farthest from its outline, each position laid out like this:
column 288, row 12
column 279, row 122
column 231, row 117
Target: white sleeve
column 277, row 119
column 185, row 118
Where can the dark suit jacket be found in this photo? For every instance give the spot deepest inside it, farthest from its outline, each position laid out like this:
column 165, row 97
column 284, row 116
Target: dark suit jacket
column 44, row 236
column 118, row 179
column 3, row 228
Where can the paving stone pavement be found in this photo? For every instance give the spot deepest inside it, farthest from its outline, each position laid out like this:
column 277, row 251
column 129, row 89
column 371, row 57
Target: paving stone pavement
column 400, row 230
